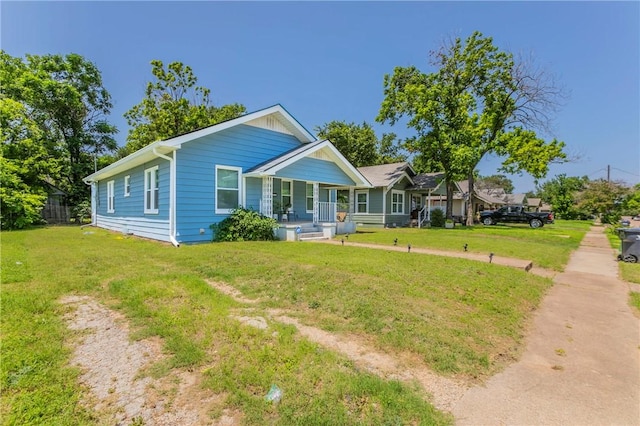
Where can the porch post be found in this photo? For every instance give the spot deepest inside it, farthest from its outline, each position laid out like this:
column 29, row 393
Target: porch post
column 316, row 195
column 352, row 197
column 266, row 207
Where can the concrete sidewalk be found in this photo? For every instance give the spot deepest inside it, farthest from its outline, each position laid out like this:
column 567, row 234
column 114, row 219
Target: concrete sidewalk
column 498, row 260
column 581, row 365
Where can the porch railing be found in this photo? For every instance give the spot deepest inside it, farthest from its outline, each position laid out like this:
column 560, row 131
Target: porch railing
column 423, row 216
column 327, row 211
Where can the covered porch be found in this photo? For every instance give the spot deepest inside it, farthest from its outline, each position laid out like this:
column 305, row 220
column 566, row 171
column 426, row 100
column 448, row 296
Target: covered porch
column 300, row 190
column 305, row 210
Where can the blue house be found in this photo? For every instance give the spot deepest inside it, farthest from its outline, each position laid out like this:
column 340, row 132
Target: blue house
column 173, row 190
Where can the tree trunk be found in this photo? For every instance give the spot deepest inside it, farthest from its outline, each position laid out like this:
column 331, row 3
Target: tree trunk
column 470, row 212
column 450, row 188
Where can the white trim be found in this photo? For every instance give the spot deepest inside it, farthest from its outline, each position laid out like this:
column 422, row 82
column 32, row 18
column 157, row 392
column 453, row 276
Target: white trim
column 282, row 181
column 306, row 197
column 127, row 185
column 384, row 206
column 404, row 174
column 144, row 154
column 333, row 154
column 291, row 123
column 111, row 196
column 151, row 178
column 239, row 171
column 404, row 199
column 355, row 201
column 172, row 195
column 316, row 201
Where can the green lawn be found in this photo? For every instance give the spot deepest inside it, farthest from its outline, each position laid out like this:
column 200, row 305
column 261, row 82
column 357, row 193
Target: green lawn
column 461, row 318
column 548, row 247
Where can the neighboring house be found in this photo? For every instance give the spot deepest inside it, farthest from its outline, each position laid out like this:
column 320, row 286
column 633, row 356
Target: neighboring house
column 428, row 192
column 399, row 196
column 534, row 204
column 173, row 190
column 546, row 208
column 388, row 202
column 516, row 199
column 481, row 199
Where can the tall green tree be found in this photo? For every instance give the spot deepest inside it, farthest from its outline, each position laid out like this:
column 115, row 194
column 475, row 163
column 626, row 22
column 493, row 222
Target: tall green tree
column 495, row 182
column 562, row 193
column 359, row 143
column 173, row 105
column 604, row 199
column 632, row 202
column 479, row 101
column 64, row 98
column 24, row 167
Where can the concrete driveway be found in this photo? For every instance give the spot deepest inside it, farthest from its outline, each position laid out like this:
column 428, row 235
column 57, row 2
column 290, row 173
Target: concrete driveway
column 581, row 365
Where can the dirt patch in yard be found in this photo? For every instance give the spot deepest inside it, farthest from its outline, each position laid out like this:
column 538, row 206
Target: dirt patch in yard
column 443, row 392
column 113, row 370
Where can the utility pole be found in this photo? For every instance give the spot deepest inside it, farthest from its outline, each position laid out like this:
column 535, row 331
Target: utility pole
column 608, row 173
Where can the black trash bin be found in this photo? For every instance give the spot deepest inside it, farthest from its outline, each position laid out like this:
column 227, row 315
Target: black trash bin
column 630, row 247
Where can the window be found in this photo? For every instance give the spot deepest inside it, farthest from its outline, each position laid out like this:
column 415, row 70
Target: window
column 127, row 186
column 397, row 202
column 227, row 188
column 151, row 193
column 287, row 195
column 309, row 198
column 362, row 201
column 111, row 199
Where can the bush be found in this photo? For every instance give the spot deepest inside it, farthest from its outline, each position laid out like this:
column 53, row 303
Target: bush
column 244, row 225
column 611, row 218
column 20, row 205
column 437, row 218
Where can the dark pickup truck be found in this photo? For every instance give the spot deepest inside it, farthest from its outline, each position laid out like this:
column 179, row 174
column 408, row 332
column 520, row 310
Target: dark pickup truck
column 515, row 214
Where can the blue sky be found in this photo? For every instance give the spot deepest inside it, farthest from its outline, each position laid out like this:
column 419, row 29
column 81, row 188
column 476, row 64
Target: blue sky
column 326, row 61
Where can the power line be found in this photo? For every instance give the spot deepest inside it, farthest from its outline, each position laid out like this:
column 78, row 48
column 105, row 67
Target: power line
column 624, row 171
column 597, row 171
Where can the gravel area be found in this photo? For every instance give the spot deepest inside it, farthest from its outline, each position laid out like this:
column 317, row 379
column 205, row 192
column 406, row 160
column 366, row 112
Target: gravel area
column 113, row 370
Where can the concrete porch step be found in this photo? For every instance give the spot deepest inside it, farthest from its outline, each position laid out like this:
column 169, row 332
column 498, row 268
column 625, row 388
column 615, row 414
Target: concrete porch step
column 307, row 236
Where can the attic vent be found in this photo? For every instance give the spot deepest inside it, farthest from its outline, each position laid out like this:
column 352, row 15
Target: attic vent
column 269, row 123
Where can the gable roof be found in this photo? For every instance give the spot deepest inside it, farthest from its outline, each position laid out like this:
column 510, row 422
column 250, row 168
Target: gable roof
column 428, row 181
column 143, row 155
column 387, row 175
column 276, row 164
column 534, row 202
column 515, row 198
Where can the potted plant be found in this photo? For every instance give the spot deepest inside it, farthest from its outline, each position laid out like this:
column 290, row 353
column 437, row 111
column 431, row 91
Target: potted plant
column 449, row 224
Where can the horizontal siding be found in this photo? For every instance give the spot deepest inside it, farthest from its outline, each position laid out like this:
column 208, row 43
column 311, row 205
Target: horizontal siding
column 379, row 220
column 300, row 201
column 375, row 200
column 368, row 219
column 141, row 227
column 397, row 219
column 133, row 205
column 240, row 146
column 253, row 191
column 314, row 170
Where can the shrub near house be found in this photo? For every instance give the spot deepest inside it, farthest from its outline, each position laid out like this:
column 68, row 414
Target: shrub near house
column 244, row 225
